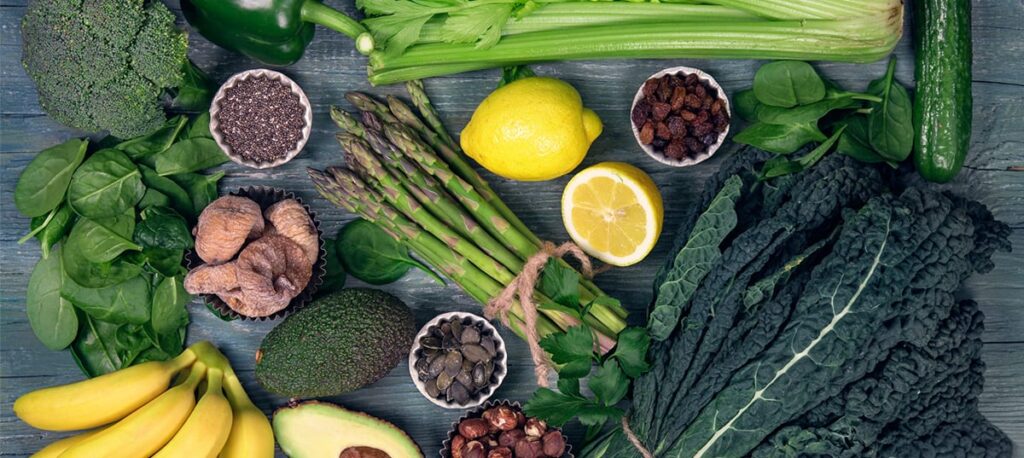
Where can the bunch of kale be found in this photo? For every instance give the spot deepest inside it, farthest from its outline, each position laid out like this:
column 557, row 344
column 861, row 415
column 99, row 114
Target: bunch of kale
column 814, row 315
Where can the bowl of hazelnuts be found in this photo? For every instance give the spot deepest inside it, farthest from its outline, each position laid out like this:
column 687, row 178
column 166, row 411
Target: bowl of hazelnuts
column 499, row 429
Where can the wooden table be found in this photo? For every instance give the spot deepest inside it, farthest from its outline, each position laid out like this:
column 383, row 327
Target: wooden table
column 332, row 67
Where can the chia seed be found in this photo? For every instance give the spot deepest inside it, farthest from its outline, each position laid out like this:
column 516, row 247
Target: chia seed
column 261, row 119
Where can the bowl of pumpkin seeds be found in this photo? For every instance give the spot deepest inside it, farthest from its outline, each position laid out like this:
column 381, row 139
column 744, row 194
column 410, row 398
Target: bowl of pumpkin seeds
column 458, row 360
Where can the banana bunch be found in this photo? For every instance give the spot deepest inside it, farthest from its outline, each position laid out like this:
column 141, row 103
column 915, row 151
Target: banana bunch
column 152, row 410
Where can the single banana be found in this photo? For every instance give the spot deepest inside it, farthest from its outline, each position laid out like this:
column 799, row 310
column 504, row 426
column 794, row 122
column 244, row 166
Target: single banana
column 101, row 400
column 57, row 447
column 207, row 429
column 148, row 429
column 251, row 433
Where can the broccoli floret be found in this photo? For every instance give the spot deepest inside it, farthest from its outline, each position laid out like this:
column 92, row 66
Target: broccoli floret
column 103, row 64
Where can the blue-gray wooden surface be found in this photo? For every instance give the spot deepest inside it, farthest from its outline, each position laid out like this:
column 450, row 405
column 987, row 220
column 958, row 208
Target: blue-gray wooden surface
column 331, row 67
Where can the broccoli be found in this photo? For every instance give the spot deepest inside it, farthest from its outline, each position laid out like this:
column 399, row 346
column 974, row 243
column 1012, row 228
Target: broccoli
column 104, row 64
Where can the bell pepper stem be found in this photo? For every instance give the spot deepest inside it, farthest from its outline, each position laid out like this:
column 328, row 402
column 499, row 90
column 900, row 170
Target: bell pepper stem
column 318, row 13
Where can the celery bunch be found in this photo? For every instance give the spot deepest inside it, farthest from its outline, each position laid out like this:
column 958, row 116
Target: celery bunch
column 423, row 38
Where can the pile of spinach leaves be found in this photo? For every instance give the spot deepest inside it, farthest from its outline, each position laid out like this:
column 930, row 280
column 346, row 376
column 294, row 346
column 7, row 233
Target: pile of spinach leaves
column 113, row 223
column 791, row 106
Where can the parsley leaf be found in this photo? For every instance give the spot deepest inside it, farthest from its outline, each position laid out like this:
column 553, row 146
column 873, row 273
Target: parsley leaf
column 631, row 351
column 574, row 349
column 560, row 283
column 513, row 73
column 558, row 408
column 609, row 383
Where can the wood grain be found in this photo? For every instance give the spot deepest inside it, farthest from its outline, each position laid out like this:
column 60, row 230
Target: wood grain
column 332, row 67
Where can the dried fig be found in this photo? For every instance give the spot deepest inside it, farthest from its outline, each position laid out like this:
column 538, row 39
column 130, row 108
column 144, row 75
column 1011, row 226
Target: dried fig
column 224, row 226
column 212, row 279
column 271, row 272
column 290, row 219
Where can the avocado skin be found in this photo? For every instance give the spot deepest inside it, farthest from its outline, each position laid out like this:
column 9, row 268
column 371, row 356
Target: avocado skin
column 339, row 343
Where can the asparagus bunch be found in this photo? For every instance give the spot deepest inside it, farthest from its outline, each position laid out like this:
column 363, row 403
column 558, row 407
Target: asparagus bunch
column 405, row 173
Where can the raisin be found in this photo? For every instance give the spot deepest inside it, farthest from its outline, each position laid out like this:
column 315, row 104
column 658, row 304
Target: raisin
column 659, row 143
column 706, row 102
column 675, row 150
column 647, row 133
column 701, row 91
column 662, row 131
column 660, row 110
column 692, row 101
column 677, row 126
column 716, row 107
column 721, row 121
column 688, row 116
column 694, row 145
column 641, row 112
column 664, row 91
column 691, row 79
column 678, row 98
column 710, row 139
column 701, row 129
column 702, row 117
column 650, row 87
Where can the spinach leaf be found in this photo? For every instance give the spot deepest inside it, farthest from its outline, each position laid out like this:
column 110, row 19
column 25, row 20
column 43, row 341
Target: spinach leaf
column 854, row 141
column 373, row 256
column 107, row 184
column 165, row 346
column 95, row 349
column 98, row 244
column 890, row 124
column 52, row 318
column 169, row 301
column 200, row 127
column 179, row 198
column 747, row 105
column 95, row 275
column 161, row 227
column 334, row 278
column 44, row 181
column 788, row 84
column 155, row 142
column 806, row 113
column 50, row 229
column 153, row 198
column 166, row 262
column 779, row 166
column 202, row 188
column 780, row 138
column 124, row 303
column 195, row 91
column 189, row 155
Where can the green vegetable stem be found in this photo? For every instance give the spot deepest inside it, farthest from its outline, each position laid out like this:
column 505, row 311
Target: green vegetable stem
column 274, row 32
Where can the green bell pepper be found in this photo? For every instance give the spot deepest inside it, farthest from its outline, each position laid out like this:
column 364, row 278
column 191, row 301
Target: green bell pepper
column 275, row 32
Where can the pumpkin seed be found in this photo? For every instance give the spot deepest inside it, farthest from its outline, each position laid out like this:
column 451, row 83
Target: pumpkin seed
column 431, row 387
column 488, row 343
column 444, row 381
column 436, row 366
column 465, row 377
column 446, row 328
column 456, row 327
column 470, row 335
column 476, row 353
column 453, row 363
column 431, row 342
column 449, row 343
column 479, row 380
column 458, row 393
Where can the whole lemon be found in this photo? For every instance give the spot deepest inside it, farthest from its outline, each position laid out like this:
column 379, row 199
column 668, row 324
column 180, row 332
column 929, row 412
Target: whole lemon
column 532, row 129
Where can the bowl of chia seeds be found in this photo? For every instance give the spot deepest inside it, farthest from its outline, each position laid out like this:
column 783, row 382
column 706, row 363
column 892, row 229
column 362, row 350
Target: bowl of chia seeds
column 261, row 118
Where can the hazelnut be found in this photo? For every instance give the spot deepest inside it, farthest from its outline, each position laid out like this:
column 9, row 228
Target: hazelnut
column 473, row 449
column 520, row 418
column 473, row 428
column 554, row 444
column 500, row 452
column 535, row 427
column 509, row 438
column 457, row 443
column 530, row 447
column 501, row 417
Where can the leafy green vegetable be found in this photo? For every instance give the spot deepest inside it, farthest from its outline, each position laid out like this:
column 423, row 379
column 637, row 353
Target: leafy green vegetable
column 161, row 227
column 202, row 188
column 169, row 301
column 855, row 143
column 98, row 244
column 780, row 138
column 746, row 105
column 188, row 156
column 52, row 318
column 787, row 84
column 631, row 351
column 558, row 408
column 155, row 142
column 572, row 350
column 779, row 166
column 561, row 284
column 153, row 198
column 96, row 349
column 107, row 184
column 124, row 303
column 609, row 383
column 44, row 181
column 195, row 91
column 890, row 124
column 371, row 255
column 96, row 275
column 177, row 197
column 199, row 127
column 50, row 229
column 513, row 73
column 694, row 260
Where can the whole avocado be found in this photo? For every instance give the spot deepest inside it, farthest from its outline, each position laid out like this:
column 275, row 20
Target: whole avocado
column 339, row 343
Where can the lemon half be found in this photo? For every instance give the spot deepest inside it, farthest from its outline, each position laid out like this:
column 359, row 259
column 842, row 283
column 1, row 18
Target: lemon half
column 614, row 212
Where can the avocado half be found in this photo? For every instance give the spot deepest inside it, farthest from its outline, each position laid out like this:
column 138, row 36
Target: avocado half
column 315, row 429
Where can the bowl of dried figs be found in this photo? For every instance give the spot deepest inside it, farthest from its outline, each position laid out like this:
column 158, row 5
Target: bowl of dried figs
column 458, row 360
column 499, row 429
column 258, row 254
column 680, row 116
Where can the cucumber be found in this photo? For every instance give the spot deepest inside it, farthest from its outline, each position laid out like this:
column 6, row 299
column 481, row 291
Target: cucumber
column 943, row 105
